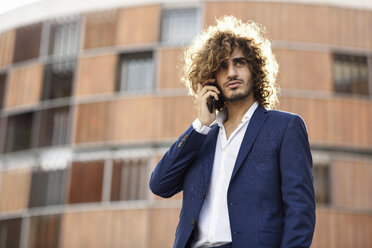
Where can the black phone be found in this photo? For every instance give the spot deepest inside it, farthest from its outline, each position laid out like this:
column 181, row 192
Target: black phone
column 212, row 103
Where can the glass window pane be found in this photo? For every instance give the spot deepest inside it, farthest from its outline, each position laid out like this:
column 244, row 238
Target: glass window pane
column 44, row 231
column 2, row 89
column 53, row 128
column 128, row 180
column 350, row 74
column 179, row 26
column 64, row 39
column 47, row 188
column 137, row 72
column 322, row 183
column 58, row 78
column 18, row 134
column 10, row 233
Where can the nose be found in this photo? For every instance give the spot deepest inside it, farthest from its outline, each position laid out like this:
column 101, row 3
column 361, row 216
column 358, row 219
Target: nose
column 231, row 71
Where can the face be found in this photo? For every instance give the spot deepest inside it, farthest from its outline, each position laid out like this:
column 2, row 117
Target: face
column 234, row 78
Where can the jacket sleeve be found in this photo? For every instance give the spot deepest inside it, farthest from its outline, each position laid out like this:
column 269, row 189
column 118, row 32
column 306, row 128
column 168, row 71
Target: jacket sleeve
column 167, row 177
column 297, row 186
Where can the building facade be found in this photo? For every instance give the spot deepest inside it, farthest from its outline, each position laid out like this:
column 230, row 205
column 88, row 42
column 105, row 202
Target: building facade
column 90, row 99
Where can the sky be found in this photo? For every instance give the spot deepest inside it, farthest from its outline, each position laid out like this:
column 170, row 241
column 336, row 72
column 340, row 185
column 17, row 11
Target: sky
column 9, row 5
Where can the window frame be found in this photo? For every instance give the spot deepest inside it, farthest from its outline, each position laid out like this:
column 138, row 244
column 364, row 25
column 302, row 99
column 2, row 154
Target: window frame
column 323, row 169
column 351, row 88
column 47, row 90
column 3, row 83
column 123, row 86
column 166, row 37
column 47, row 196
column 8, row 148
column 123, row 186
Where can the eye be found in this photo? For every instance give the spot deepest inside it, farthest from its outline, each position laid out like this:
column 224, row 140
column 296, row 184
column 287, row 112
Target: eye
column 240, row 62
column 223, row 65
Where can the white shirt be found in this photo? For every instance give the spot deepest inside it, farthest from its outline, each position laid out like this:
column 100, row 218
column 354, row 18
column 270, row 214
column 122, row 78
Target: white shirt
column 213, row 227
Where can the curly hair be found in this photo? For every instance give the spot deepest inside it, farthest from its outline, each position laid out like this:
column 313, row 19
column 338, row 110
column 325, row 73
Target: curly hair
column 203, row 58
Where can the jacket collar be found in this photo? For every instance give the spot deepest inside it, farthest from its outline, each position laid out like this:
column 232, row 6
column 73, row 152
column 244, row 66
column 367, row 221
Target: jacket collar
column 222, row 115
column 254, row 127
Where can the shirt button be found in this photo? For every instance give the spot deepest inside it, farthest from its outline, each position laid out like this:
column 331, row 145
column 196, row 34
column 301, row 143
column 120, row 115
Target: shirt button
column 192, row 221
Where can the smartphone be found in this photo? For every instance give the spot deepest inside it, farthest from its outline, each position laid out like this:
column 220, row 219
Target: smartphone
column 212, row 103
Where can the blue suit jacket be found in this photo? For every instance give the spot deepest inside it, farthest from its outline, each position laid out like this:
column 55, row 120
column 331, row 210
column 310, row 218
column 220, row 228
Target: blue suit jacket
column 270, row 197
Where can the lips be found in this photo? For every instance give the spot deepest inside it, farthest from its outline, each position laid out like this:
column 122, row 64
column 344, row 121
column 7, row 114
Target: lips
column 233, row 84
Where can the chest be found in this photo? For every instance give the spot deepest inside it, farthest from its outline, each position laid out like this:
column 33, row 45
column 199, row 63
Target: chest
column 229, row 128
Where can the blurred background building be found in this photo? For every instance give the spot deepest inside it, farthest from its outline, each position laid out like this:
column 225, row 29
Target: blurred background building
column 90, row 99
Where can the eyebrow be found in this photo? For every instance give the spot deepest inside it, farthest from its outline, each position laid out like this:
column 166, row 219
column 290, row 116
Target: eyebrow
column 238, row 59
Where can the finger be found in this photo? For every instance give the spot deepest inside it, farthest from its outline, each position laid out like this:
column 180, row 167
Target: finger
column 209, row 88
column 209, row 94
column 201, row 85
column 211, row 80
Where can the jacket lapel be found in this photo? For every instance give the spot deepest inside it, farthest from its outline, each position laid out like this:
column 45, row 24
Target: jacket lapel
column 210, row 149
column 254, row 127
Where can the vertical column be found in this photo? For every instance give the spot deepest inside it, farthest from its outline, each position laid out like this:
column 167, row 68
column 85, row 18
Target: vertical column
column 24, row 231
column 107, row 176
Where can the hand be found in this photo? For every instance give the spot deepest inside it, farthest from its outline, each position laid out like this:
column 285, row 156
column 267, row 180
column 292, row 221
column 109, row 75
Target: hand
column 206, row 91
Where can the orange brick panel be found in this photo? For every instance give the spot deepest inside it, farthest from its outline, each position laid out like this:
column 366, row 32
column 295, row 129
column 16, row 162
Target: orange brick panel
column 100, row 29
column 7, row 40
column 336, row 229
column 304, row 70
column 96, row 75
column 14, row 189
column 301, row 22
column 170, row 68
column 24, row 86
column 138, row 25
column 333, row 121
column 351, row 184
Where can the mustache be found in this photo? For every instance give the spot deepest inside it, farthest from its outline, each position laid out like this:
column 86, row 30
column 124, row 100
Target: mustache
column 233, row 79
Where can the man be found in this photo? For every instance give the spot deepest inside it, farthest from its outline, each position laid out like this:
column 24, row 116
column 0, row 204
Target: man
column 246, row 179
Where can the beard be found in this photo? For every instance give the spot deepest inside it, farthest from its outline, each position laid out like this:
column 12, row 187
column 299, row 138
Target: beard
column 237, row 96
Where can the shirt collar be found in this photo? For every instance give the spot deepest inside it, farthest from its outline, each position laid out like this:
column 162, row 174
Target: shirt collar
column 221, row 116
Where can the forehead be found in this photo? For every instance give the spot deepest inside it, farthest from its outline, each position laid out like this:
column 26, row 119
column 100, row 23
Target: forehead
column 237, row 53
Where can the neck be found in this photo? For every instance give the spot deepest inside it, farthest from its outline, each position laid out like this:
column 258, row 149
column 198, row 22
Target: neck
column 237, row 109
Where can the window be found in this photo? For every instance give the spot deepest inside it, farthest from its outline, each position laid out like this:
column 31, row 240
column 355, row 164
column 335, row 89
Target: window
column 322, row 183
column 351, row 74
column 128, row 180
column 47, row 188
column 63, row 49
column 10, row 232
column 2, row 89
column 44, row 231
column 27, row 44
column 54, row 124
column 86, row 182
column 179, row 26
column 64, row 39
column 58, row 77
column 137, row 72
column 18, row 133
